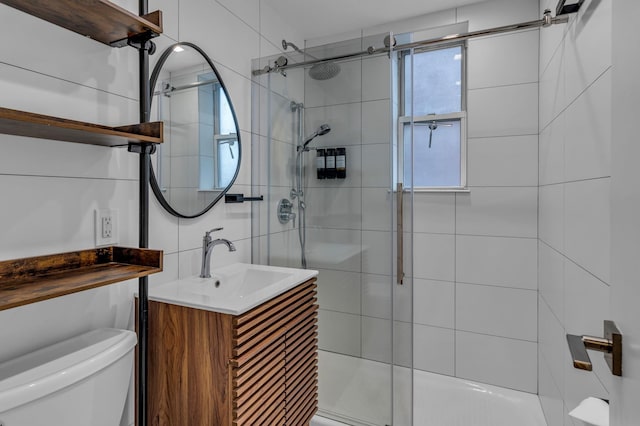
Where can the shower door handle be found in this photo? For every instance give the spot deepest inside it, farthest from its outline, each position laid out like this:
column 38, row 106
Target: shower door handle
column 400, row 232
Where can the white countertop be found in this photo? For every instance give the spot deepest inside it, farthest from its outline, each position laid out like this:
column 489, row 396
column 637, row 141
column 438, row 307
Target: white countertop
column 232, row 289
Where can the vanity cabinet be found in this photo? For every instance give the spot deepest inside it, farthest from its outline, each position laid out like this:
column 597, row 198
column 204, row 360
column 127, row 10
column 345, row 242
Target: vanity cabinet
column 212, row 369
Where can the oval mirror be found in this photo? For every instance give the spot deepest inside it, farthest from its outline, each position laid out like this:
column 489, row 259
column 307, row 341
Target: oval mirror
column 200, row 156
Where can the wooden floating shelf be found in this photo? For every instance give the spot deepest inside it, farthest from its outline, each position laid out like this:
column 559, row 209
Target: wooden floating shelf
column 21, row 123
column 100, row 20
column 34, row 279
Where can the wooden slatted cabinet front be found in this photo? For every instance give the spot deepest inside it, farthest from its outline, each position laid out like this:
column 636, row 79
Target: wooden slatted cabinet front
column 257, row 368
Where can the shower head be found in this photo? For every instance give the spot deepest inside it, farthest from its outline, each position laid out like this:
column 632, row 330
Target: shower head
column 324, row 71
column 319, row 71
column 322, row 130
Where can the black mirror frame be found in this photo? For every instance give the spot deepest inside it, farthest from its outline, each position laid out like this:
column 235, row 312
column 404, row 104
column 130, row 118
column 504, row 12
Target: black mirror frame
column 153, row 80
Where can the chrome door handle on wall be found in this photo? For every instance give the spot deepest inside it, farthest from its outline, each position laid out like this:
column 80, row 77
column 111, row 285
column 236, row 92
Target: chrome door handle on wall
column 611, row 345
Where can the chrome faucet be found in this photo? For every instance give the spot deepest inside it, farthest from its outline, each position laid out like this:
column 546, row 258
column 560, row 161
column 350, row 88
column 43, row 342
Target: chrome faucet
column 207, row 248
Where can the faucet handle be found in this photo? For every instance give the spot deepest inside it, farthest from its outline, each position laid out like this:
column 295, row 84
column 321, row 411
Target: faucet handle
column 206, row 234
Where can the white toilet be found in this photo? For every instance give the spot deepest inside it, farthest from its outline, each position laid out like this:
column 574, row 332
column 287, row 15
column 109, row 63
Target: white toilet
column 78, row 382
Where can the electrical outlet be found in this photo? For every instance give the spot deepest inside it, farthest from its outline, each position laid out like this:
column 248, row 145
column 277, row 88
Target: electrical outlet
column 106, row 227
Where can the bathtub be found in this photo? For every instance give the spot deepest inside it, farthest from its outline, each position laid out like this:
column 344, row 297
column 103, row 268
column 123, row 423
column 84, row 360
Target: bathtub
column 354, row 391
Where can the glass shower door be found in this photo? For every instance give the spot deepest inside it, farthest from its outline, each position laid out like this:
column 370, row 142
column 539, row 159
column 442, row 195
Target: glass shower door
column 349, row 223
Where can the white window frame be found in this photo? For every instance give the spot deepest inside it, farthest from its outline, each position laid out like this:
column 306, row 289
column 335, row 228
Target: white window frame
column 461, row 116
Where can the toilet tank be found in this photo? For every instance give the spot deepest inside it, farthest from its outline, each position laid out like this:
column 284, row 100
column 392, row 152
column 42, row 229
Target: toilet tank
column 82, row 381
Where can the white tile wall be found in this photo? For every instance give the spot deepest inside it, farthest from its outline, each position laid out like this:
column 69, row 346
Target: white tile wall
column 434, row 349
column 551, row 222
column 342, row 332
column 587, row 225
column 503, row 60
column 433, row 256
column 507, row 262
column 498, row 311
column 434, row 303
column 574, row 248
column 503, row 111
column 503, row 362
column 551, row 153
column 508, row 212
column 551, row 278
column 432, row 213
column 339, row 291
column 588, row 138
column 504, row 161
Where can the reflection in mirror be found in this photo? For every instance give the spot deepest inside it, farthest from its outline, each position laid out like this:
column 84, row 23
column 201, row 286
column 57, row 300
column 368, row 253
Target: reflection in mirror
column 200, row 156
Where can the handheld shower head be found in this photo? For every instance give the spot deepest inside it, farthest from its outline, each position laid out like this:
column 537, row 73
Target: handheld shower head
column 322, row 130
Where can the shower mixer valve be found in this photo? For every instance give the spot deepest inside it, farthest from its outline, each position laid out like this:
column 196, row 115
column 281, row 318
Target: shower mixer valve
column 285, row 212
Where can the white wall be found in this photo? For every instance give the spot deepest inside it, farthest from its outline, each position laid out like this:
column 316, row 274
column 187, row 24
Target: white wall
column 50, row 189
column 574, row 216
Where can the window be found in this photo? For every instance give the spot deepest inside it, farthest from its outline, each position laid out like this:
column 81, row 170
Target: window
column 218, row 141
column 433, row 116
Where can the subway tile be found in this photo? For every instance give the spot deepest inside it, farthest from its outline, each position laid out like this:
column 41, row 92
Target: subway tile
column 482, row 17
column 338, row 208
column 375, row 78
column 551, row 224
column 551, row 278
column 503, row 111
column 376, row 166
column 434, row 349
column 339, row 291
column 550, row 397
column 196, row 19
column 586, row 301
column 339, row 332
column 434, row 303
column 589, row 46
column 376, row 339
column 505, row 161
column 551, row 157
column 337, row 249
column 552, row 89
column 247, row 10
column 551, row 38
column 57, row 52
column 402, row 343
column 344, row 120
column 484, row 309
column 551, row 343
column 497, row 361
column 432, row 213
column 376, row 119
column 51, row 215
column 503, row 60
column 376, row 209
column 376, row 252
column 434, row 256
column 588, row 132
column 587, row 225
column 341, row 89
column 505, row 262
column 376, row 295
column 507, row 212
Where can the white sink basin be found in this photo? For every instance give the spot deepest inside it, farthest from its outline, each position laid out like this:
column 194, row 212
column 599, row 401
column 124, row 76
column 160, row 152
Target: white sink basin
column 232, row 289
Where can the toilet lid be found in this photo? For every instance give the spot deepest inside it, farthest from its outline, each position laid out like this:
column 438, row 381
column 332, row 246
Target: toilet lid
column 54, row 367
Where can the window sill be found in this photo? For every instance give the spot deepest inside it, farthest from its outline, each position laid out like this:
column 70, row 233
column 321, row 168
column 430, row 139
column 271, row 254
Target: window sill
column 439, row 190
